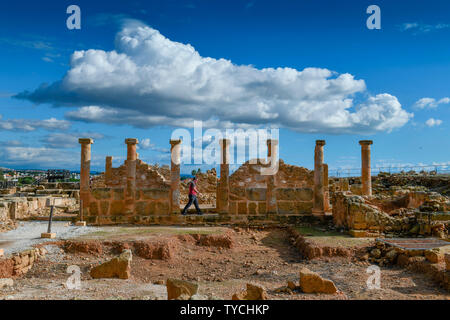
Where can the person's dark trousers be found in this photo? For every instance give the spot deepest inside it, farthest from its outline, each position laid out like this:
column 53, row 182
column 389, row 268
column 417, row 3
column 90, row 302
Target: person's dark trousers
column 192, row 199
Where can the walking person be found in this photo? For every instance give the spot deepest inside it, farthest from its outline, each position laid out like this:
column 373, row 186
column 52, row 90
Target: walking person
column 193, row 191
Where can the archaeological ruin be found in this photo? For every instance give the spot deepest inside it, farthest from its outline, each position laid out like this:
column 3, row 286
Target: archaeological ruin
column 263, row 223
column 139, row 193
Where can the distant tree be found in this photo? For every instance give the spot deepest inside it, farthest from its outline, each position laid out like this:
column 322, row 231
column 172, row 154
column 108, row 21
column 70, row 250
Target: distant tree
column 2, row 178
column 26, row 180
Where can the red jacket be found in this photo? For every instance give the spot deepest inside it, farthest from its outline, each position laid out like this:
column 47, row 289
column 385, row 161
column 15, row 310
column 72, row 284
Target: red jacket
column 192, row 188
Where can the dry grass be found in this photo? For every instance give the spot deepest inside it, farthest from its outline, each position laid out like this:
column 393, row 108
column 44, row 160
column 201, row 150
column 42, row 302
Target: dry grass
column 113, row 232
column 332, row 238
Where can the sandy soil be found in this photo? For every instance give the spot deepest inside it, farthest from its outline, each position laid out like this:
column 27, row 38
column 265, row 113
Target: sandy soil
column 263, row 257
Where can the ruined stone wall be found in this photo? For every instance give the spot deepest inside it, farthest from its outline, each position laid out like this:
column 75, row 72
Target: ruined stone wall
column 290, row 176
column 247, row 201
column 20, row 263
column 4, row 212
column 109, row 205
column 439, row 183
column 352, row 212
column 111, row 201
column 408, row 215
column 293, row 189
column 19, row 208
column 147, row 176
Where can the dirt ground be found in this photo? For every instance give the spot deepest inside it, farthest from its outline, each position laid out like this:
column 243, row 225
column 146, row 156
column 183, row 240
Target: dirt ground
column 265, row 257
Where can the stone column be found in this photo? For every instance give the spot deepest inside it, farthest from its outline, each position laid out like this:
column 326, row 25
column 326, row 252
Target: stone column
column 319, row 195
column 272, row 155
column 85, row 171
column 108, row 170
column 131, row 174
column 223, row 187
column 175, row 151
column 366, row 176
column 326, row 188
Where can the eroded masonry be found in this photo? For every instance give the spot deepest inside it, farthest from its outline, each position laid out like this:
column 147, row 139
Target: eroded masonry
column 140, row 193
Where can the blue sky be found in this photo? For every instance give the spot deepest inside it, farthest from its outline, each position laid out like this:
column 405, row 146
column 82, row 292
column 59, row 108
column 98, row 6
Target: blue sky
column 399, row 78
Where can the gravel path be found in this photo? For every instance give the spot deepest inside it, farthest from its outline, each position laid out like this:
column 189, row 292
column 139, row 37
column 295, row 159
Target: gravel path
column 28, row 234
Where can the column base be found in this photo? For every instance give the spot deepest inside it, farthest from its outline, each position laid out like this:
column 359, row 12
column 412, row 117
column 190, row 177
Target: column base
column 47, row 235
column 80, row 223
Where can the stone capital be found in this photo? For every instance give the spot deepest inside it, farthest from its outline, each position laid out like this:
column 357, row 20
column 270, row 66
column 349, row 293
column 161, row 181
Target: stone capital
column 225, row 142
column 175, row 142
column 320, row 142
column 272, row 142
column 131, row 141
column 86, row 141
column 366, row 142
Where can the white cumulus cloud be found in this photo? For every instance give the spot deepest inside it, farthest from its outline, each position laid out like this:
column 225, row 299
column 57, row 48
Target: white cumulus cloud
column 431, row 103
column 150, row 80
column 433, row 122
column 32, row 125
column 67, row 140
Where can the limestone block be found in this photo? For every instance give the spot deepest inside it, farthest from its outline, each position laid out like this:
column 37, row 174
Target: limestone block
column 93, row 208
column 176, row 288
column 253, row 292
column 117, row 208
column 242, row 207
column 162, row 207
column 262, row 208
column 256, row 194
column 304, row 207
column 155, row 194
column 47, row 235
column 101, row 193
column 252, row 208
column 311, row 282
column 434, row 255
column 237, row 193
column 140, row 208
column 286, row 207
column 232, row 209
column 118, row 267
column 104, row 208
column 118, row 194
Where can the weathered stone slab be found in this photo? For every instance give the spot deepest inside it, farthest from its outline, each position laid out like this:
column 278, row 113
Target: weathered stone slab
column 178, row 288
column 155, row 194
column 118, row 194
column 286, row 207
column 294, row 194
column 256, row 194
column 118, row 267
column 311, row 282
column 101, row 193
